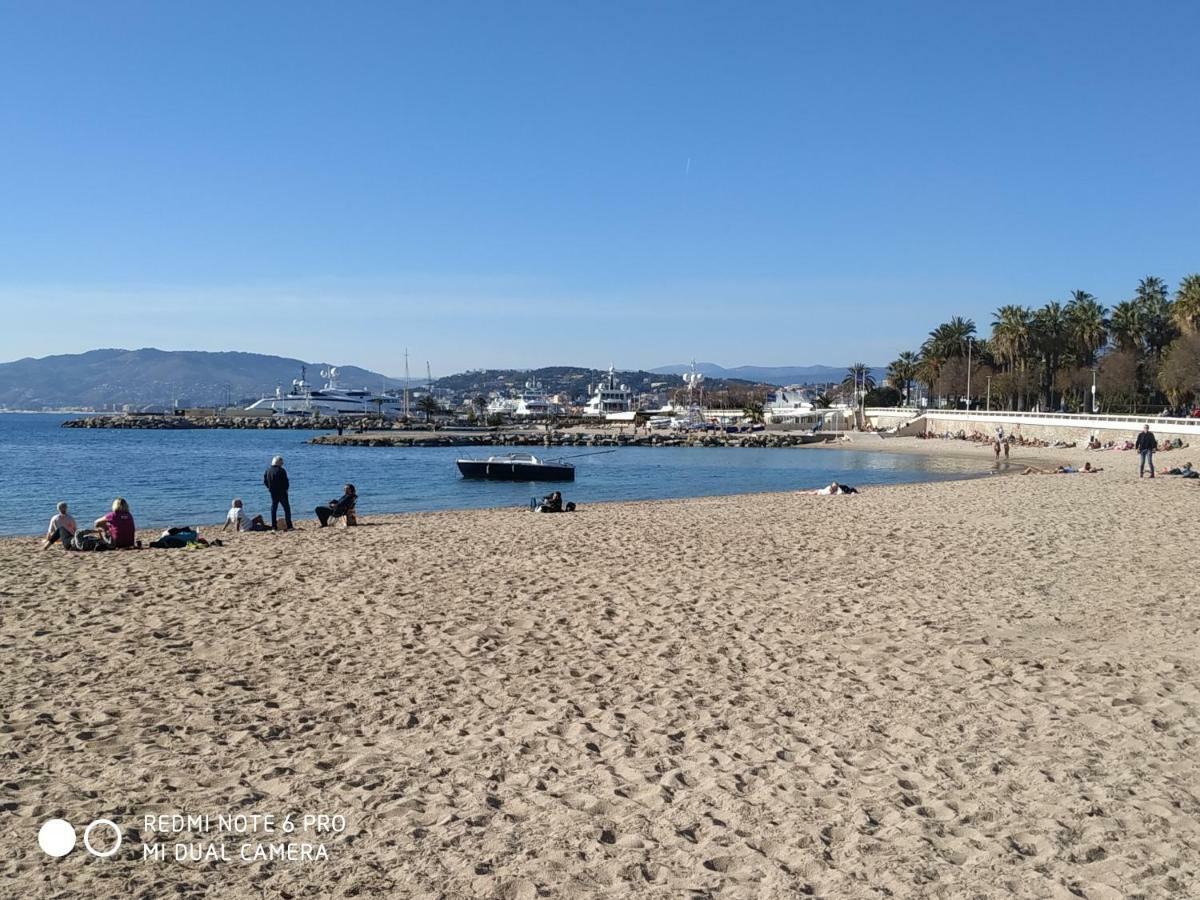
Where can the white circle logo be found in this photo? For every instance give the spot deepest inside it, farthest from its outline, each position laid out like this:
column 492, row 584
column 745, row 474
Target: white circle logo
column 87, row 836
column 56, row 837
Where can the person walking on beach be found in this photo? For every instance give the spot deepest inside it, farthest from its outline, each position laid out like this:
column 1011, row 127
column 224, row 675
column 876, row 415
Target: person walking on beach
column 276, row 480
column 1145, row 445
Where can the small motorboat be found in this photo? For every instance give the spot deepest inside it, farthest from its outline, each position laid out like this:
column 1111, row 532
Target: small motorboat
column 517, row 467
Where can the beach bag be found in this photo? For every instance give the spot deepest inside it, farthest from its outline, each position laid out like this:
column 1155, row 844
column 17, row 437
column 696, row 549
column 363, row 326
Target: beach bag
column 175, row 538
column 88, row 539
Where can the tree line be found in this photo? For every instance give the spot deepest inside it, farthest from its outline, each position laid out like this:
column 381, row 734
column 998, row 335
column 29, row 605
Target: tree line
column 1142, row 353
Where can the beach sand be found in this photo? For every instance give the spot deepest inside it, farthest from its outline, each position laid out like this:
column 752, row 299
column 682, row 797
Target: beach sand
column 984, row 688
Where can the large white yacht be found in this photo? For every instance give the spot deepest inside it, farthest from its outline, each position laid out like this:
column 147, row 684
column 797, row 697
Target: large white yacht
column 330, row 400
column 530, row 403
column 610, row 396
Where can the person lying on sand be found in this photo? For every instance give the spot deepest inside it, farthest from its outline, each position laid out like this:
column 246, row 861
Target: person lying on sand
column 1088, row 469
column 62, row 528
column 1185, row 470
column 834, row 488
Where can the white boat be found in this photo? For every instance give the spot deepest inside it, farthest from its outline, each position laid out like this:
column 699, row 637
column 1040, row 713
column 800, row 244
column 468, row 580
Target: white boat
column 330, row 400
column 530, row 403
column 517, row 467
column 610, row 396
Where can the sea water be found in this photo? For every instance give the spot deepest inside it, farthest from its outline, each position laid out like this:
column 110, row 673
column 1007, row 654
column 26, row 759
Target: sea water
column 190, row 476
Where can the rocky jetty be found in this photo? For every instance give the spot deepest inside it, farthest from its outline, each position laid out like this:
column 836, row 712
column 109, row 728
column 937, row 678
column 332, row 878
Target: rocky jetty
column 569, row 439
column 307, row 423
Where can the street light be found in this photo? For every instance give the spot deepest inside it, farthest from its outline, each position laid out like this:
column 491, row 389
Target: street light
column 970, row 344
column 989, row 394
column 1095, row 408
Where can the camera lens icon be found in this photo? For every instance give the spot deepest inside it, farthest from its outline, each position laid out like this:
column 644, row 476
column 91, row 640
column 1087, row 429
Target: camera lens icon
column 56, row 837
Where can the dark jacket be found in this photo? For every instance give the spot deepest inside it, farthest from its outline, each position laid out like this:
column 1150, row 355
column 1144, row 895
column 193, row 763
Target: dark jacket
column 276, row 480
column 1145, row 441
column 343, row 505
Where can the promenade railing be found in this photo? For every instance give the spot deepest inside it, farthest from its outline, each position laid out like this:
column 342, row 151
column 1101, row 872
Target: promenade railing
column 1171, row 424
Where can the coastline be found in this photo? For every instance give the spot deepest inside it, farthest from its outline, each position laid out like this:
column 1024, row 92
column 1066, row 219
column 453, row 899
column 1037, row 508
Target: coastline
column 939, row 688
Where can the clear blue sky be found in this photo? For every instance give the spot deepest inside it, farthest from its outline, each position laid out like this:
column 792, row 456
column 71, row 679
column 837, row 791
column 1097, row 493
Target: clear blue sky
column 542, row 183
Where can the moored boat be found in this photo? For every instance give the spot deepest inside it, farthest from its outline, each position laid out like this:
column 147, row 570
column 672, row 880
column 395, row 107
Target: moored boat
column 517, row 467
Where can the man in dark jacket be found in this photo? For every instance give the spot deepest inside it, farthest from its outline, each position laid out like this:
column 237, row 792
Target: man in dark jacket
column 276, row 480
column 343, row 506
column 1145, row 445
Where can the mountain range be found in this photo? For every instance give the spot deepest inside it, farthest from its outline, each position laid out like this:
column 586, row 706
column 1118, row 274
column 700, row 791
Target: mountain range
column 150, row 377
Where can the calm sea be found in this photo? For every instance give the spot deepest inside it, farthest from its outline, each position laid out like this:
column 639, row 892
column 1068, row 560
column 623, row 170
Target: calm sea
column 189, row 477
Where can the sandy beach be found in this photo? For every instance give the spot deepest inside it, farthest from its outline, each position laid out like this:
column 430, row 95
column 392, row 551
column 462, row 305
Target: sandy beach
column 983, row 688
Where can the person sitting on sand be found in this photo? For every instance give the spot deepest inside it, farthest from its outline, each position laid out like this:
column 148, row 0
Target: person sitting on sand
column 1093, row 443
column 117, row 527
column 62, row 528
column 342, row 507
column 551, row 503
column 238, row 519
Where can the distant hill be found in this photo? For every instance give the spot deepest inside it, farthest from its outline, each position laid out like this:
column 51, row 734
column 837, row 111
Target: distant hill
column 780, row 375
column 570, row 380
column 151, row 377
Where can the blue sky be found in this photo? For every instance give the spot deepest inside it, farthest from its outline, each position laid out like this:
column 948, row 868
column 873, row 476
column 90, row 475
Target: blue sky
column 526, row 184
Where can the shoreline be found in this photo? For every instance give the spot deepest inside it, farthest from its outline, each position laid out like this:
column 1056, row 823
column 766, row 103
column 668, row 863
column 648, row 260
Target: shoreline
column 964, row 452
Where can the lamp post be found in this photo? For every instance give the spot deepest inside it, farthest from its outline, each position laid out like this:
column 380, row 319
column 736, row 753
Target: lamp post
column 989, row 394
column 1095, row 408
column 970, row 344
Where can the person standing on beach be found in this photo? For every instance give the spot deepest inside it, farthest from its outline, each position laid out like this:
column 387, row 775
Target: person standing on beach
column 276, row 480
column 1145, row 445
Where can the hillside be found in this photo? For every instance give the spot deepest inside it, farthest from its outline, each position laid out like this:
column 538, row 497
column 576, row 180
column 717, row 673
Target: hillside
column 570, row 380
column 778, row 375
column 151, row 377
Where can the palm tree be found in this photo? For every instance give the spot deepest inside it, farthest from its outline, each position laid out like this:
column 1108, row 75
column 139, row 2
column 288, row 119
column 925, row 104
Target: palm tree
column 1049, row 336
column 753, row 410
column 901, row 373
column 1187, row 305
column 1010, row 341
column 1087, row 328
column 427, row 403
column 1150, row 289
column 950, row 338
column 1126, row 325
column 822, row 401
column 1156, row 315
column 929, row 369
column 1010, row 334
column 859, row 374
